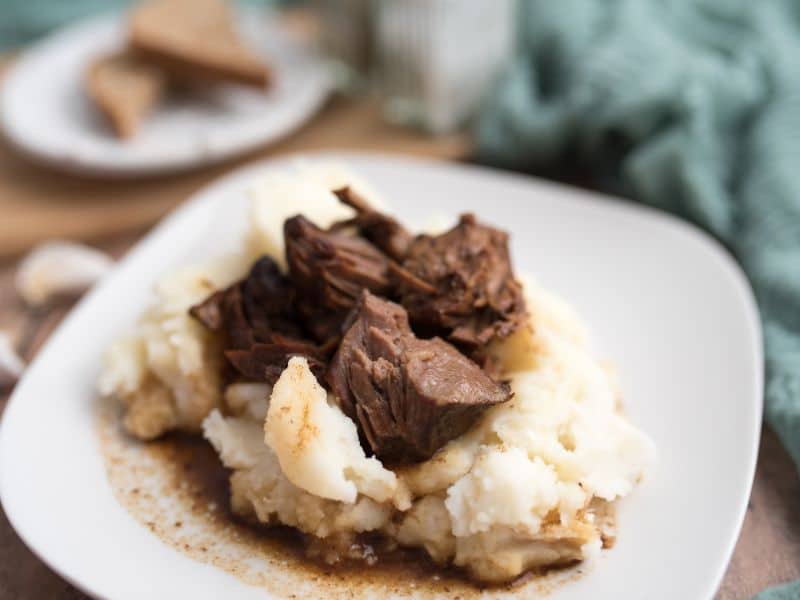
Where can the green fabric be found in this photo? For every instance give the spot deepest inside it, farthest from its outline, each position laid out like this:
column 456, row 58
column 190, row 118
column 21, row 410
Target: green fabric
column 692, row 107
column 790, row 591
column 22, row 21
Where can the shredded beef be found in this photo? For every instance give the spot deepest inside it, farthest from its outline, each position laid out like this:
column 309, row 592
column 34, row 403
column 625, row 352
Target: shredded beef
column 382, row 230
column 460, row 285
column 258, row 323
column 329, row 269
column 409, row 391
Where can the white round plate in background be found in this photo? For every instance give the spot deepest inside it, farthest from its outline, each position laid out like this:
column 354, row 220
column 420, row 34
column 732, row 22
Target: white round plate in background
column 45, row 113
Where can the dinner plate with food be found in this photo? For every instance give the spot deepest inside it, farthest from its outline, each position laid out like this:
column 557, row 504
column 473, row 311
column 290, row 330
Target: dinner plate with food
column 349, row 376
column 169, row 85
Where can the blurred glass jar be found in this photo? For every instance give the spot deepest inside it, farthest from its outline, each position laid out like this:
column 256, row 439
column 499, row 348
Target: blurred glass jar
column 345, row 38
column 436, row 59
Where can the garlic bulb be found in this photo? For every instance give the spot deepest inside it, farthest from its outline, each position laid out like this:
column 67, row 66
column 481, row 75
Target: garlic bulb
column 59, row 268
column 11, row 365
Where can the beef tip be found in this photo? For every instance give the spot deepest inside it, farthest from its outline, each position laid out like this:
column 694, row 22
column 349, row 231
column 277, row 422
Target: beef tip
column 382, row 230
column 329, row 269
column 460, row 285
column 409, row 396
column 258, row 324
column 266, row 361
column 253, row 309
column 268, row 300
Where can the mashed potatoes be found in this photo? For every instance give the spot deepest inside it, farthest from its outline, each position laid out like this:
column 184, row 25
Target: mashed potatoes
column 167, row 372
column 529, row 485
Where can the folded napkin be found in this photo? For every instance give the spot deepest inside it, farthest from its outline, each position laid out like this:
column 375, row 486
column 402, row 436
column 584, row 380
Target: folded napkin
column 692, row 107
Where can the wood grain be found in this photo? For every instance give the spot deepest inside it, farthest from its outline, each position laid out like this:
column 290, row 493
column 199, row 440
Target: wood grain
column 768, row 551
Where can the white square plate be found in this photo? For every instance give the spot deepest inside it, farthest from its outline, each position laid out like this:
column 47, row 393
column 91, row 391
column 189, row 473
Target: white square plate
column 662, row 300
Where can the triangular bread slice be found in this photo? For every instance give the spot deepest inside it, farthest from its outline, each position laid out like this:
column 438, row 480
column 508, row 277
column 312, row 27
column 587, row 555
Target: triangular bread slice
column 125, row 90
column 195, row 40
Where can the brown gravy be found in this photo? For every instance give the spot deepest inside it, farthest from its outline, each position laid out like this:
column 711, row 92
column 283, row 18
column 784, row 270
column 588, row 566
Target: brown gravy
column 185, row 471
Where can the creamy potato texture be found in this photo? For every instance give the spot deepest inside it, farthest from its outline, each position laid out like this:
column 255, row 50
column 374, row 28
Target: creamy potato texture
column 531, row 484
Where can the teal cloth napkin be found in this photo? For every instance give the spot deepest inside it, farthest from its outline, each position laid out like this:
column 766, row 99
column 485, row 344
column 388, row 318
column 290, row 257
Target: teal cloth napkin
column 22, row 21
column 690, row 106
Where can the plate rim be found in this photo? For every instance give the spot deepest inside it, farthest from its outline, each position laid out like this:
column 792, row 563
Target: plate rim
column 197, row 200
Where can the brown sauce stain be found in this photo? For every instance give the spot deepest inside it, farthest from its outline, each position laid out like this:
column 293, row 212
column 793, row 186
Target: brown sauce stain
column 182, row 472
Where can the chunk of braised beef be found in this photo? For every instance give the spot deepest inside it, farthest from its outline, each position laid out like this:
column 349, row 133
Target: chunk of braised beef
column 409, row 396
column 460, row 285
column 380, row 229
column 258, row 324
column 268, row 299
column 329, row 270
column 252, row 309
column 266, row 361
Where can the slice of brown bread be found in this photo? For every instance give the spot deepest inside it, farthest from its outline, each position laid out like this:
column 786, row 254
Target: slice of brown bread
column 125, row 89
column 194, row 40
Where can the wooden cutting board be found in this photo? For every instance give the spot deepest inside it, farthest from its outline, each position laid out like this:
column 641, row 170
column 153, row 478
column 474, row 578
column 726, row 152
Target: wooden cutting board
column 37, row 203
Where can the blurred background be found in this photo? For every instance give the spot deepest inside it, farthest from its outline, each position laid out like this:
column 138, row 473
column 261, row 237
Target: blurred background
column 23, row 22
column 411, row 51
column 690, row 106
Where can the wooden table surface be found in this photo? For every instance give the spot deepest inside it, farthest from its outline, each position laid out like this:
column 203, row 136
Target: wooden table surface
column 38, row 204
